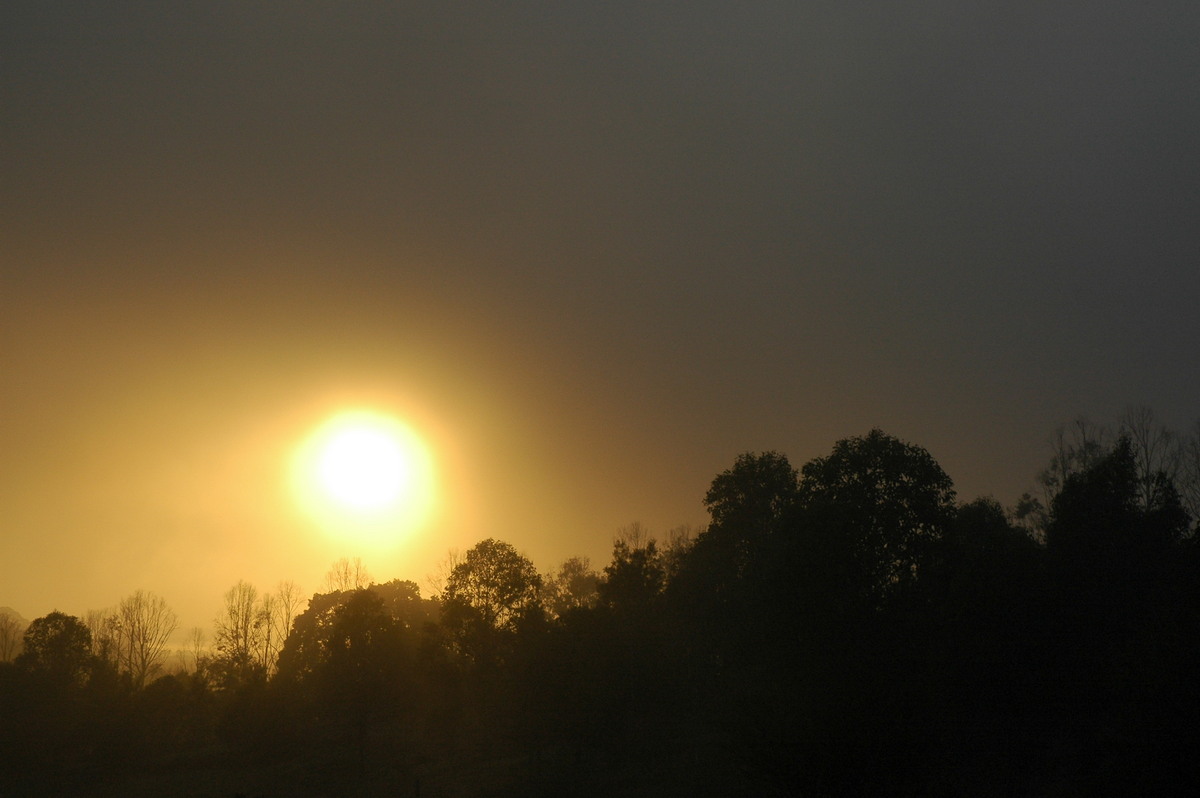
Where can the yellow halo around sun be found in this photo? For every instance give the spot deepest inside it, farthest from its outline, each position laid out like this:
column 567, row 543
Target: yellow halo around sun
column 365, row 477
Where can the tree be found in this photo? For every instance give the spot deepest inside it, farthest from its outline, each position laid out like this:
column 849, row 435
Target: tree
column 287, row 607
column 308, row 643
column 364, row 658
column 1189, row 472
column 197, row 648
column 402, row 600
column 59, row 646
column 573, row 586
column 754, row 496
column 143, row 624
column 1100, row 512
column 347, row 574
column 12, row 627
column 1157, row 453
column 487, row 594
column 103, row 626
column 436, row 579
column 1075, row 447
column 885, row 502
column 238, row 634
column 635, row 577
column 496, row 582
column 270, row 640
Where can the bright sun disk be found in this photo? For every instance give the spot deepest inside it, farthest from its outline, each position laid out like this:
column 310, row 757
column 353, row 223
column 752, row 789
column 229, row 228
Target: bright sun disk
column 365, row 477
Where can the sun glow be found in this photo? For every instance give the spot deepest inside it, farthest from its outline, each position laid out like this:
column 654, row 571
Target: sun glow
column 365, row 477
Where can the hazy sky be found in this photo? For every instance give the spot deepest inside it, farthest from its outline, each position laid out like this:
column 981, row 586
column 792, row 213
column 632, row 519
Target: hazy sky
column 590, row 251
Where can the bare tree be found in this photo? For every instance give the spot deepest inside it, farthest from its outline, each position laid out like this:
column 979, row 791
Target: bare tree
column 197, row 647
column 636, row 536
column 436, row 581
column 144, row 623
column 1075, row 447
column 1157, row 451
column 1162, row 457
column 269, row 639
column 1189, row 472
column 287, row 607
column 11, row 630
column 238, row 629
column 347, row 575
column 679, row 542
column 105, row 637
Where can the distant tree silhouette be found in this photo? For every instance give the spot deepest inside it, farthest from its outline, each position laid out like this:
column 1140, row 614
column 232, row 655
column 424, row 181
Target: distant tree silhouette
column 144, row 624
column 238, row 636
column 751, row 501
column 1122, row 599
column 573, row 586
column 634, row 579
column 486, row 596
column 289, row 601
column 366, row 672
column 846, row 628
column 1104, row 511
column 402, row 600
column 1160, row 455
column 346, row 574
column 11, row 631
column 58, row 646
column 884, row 502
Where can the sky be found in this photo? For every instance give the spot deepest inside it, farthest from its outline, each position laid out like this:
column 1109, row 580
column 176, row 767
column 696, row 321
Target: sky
column 588, row 252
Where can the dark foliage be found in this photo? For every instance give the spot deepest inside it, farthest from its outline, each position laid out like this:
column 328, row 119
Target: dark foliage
column 842, row 629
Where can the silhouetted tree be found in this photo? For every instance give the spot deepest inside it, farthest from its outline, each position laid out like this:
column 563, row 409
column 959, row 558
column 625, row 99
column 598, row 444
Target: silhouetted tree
column 402, row 600
column 346, row 574
column 1157, row 451
column 750, row 502
column 366, row 671
column 11, row 630
column 144, row 624
column 238, row 636
column 486, row 596
column 635, row 577
column 572, row 587
column 884, row 502
column 1121, row 594
column 59, row 646
column 308, row 644
column 1100, row 511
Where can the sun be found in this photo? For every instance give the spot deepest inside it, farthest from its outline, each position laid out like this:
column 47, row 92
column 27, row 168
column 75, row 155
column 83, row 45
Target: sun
column 364, row 477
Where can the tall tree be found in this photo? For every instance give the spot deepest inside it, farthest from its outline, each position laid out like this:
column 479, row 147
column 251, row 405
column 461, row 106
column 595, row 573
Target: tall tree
column 487, row 594
column 346, row 574
column 144, row 624
column 58, row 646
column 754, row 496
column 287, row 607
column 1100, row 511
column 572, row 586
column 1157, row 452
column 635, row 577
column 885, row 502
column 238, row 633
column 12, row 627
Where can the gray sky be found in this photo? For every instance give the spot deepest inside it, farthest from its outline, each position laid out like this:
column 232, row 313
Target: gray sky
column 591, row 251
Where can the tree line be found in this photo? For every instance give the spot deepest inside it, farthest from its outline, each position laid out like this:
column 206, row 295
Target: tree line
column 848, row 627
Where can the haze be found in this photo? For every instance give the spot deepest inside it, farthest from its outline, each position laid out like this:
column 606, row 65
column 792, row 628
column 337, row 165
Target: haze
column 590, row 254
